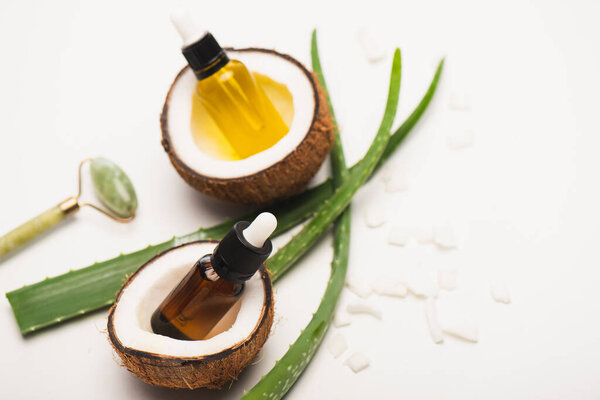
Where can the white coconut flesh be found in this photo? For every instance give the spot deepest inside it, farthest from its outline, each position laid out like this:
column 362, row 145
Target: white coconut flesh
column 275, row 67
column 154, row 282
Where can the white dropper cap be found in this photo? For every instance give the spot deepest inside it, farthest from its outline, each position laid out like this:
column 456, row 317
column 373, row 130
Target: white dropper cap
column 186, row 27
column 260, row 229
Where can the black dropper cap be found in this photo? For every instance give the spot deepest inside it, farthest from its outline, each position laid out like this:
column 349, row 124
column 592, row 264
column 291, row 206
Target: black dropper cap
column 205, row 56
column 235, row 259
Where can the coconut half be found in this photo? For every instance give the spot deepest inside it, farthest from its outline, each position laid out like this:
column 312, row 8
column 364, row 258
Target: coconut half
column 164, row 361
column 275, row 173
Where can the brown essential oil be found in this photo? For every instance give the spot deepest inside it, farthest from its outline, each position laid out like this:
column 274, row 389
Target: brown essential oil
column 196, row 305
column 206, row 301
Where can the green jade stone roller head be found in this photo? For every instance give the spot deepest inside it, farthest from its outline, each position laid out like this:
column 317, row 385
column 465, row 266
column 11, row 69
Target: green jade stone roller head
column 113, row 188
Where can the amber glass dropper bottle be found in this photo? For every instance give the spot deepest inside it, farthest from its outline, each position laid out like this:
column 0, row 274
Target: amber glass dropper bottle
column 215, row 283
column 237, row 104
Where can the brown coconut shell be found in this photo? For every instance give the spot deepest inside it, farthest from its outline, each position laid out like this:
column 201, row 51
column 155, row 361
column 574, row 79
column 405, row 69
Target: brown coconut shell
column 282, row 179
column 204, row 371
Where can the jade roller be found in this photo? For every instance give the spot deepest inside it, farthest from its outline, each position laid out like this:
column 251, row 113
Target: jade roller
column 113, row 187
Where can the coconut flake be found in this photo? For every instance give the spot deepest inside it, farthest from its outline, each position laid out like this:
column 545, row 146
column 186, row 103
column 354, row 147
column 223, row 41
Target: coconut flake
column 399, row 236
column 500, row 292
column 444, row 236
column 363, row 308
column 424, row 235
column 359, row 287
column 396, row 182
column 459, row 101
column 372, row 50
column 389, row 287
column 374, row 215
column 421, row 285
column 460, row 139
column 432, row 320
column 463, row 329
column 340, row 319
column 447, row 278
column 357, row 362
column 337, row 345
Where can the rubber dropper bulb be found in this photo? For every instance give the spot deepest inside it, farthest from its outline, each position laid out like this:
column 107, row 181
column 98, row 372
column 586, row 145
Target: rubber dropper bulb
column 260, row 229
column 187, row 28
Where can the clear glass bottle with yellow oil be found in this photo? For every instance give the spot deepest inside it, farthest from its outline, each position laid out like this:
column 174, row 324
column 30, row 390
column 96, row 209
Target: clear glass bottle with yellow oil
column 229, row 92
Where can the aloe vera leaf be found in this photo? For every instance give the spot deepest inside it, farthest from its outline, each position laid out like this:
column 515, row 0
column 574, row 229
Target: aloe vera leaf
column 281, row 261
column 113, row 187
column 45, row 303
column 30, row 229
column 400, row 134
column 287, row 370
column 80, row 291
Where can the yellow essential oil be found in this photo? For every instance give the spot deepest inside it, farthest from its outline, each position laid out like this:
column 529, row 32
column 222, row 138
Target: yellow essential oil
column 241, row 109
column 208, row 136
column 231, row 96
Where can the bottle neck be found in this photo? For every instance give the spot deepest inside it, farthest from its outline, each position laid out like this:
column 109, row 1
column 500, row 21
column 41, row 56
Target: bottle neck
column 206, row 268
column 205, row 56
column 212, row 68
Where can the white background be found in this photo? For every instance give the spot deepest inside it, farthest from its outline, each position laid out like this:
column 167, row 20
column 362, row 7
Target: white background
column 86, row 79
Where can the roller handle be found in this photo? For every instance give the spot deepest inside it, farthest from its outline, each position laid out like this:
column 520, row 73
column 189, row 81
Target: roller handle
column 33, row 228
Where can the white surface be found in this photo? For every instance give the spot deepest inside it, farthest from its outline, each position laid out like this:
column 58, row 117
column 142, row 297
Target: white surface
column 260, row 229
column 525, row 198
column 384, row 286
column 447, row 278
column 154, row 284
column 399, row 235
column 187, row 28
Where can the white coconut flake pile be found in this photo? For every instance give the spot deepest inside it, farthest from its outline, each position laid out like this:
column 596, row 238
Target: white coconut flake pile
column 357, row 362
column 384, row 286
column 372, row 50
column 375, row 214
column 462, row 329
column 432, row 320
column 399, row 236
column 445, row 237
column 460, row 139
column 447, row 278
column 340, row 319
column 363, row 308
column 337, row 345
column 358, row 286
column 500, row 292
